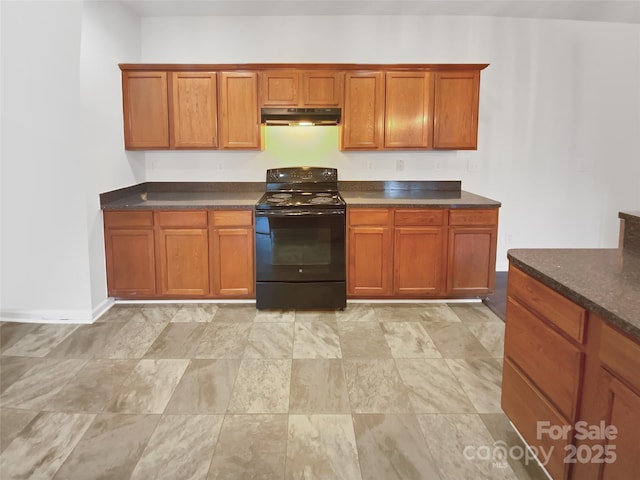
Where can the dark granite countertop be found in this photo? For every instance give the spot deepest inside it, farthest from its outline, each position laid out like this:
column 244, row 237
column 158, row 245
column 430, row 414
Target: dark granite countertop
column 605, row 281
column 186, row 195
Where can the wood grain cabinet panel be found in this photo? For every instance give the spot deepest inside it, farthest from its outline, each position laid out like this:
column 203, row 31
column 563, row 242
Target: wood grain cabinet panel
column 130, row 254
column 408, row 110
column 145, row 110
column 239, row 118
column 471, row 252
column 538, row 350
column 417, row 261
column 370, row 252
column 456, row 108
column 183, row 260
column 194, row 107
column 302, row 88
column 232, row 253
column 363, row 112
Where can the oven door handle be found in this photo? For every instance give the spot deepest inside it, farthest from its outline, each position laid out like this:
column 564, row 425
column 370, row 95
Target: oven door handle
column 299, row 212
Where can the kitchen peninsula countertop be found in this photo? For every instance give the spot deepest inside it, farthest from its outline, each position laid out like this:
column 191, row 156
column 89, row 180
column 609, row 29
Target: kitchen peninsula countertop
column 187, row 195
column 605, row 281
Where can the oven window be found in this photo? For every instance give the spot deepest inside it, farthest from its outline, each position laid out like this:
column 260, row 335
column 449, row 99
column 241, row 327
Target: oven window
column 300, row 246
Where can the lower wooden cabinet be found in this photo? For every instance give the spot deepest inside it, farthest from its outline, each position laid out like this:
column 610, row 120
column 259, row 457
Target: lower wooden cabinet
column 471, row 261
column 370, row 250
column 586, row 384
column 179, row 254
column 130, row 254
column 182, row 253
column 232, row 252
column 409, row 253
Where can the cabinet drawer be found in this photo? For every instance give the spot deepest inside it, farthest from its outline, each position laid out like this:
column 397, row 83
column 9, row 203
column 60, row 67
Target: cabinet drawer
column 370, row 216
column 526, row 409
column 539, row 351
column 128, row 219
column 473, row 217
column 232, row 218
column 182, row 218
column 557, row 309
column 621, row 354
column 418, row 217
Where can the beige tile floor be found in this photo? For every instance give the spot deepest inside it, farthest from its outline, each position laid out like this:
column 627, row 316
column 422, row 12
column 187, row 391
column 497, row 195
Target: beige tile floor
column 210, row 391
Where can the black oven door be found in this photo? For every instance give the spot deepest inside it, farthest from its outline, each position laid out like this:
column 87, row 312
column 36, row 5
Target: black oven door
column 299, row 245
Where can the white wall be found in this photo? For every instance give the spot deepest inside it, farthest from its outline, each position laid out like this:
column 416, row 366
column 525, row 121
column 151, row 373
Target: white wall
column 559, row 111
column 110, row 35
column 61, row 146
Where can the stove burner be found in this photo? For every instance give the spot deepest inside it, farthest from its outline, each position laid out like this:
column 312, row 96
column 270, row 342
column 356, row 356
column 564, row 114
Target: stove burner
column 321, row 200
column 275, row 199
column 281, row 195
column 323, row 194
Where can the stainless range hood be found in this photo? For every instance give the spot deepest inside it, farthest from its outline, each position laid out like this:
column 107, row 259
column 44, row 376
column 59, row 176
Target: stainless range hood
column 300, row 116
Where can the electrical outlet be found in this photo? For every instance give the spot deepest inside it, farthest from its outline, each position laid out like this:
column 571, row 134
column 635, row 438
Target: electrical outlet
column 437, row 164
column 370, row 165
column 399, row 165
column 508, row 238
column 473, row 165
column 220, row 166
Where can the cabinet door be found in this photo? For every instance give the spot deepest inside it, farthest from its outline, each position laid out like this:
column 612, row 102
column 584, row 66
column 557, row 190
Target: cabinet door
column 619, row 407
column 145, row 109
column 232, row 262
column 239, row 120
column 130, row 262
column 129, row 250
column 471, row 260
column 370, row 261
column 408, row 110
column 182, row 252
column 280, row 88
column 417, row 261
column 363, row 111
column 456, row 110
column 183, row 261
column 194, row 103
column 322, row 88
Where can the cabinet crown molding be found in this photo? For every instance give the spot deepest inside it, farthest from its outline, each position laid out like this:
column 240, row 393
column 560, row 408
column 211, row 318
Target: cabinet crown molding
column 178, row 67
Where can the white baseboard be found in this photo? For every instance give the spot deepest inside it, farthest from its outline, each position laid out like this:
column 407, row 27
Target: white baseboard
column 56, row 316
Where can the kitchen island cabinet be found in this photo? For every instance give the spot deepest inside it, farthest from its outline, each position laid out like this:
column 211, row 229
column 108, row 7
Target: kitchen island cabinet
column 571, row 376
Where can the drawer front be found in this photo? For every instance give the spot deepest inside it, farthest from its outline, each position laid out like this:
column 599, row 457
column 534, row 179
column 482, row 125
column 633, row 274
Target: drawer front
column 232, row 218
column 418, row 217
column 526, row 408
column 142, row 218
column 557, row 309
column 538, row 350
column 621, row 354
column 370, row 216
column 182, row 218
column 473, row 217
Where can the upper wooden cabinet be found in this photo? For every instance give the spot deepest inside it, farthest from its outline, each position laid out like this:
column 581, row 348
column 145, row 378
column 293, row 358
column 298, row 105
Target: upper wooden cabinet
column 306, row 88
column 408, row 112
column 384, row 107
column 194, row 107
column 145, row 110
column 363, row 112
column 456, row 110
column 239, row 119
